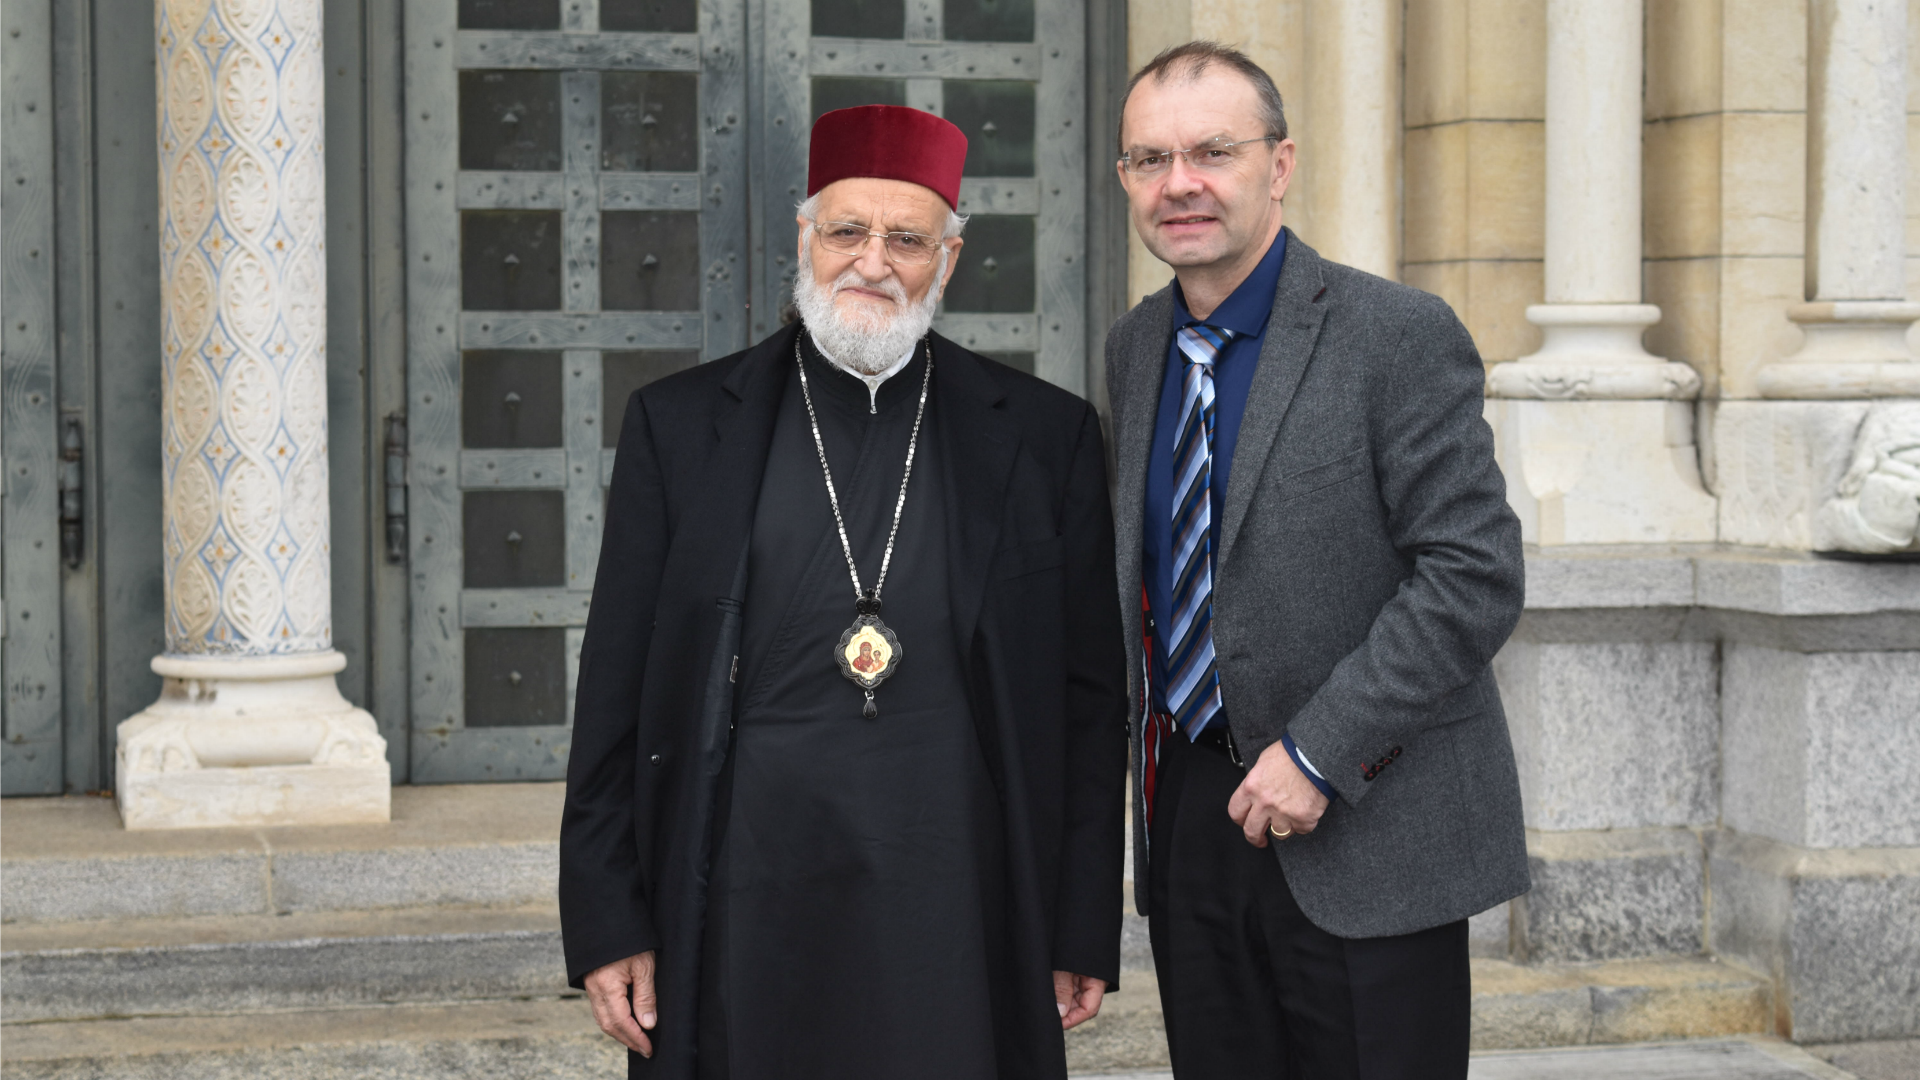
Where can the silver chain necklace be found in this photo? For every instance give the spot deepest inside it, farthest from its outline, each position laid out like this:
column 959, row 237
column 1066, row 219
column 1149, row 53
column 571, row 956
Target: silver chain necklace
column 869, row 651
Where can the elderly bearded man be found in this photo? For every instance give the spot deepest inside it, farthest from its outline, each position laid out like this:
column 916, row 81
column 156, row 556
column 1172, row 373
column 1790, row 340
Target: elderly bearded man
column 779, row 861
column 1309, row 502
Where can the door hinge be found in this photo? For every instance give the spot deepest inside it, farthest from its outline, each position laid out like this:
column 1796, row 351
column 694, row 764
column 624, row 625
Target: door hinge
column 72, row 490
column 396, row 460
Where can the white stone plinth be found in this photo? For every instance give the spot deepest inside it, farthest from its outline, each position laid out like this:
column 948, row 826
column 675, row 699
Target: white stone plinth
column 247, row 742
column 1602, row 472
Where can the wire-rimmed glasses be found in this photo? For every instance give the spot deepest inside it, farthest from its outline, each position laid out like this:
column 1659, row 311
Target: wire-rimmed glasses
column 849, row 238
column 1217, row 153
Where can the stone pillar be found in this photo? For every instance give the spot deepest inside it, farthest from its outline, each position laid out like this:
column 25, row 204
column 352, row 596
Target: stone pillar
column 1857, row 313
column 250, row 728
column 1832, row 462
column 1353, row 152
column 1596, row 434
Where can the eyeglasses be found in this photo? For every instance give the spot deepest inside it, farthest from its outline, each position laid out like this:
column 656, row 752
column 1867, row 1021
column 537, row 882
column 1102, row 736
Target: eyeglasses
column 1213, row 154
column 905, row 248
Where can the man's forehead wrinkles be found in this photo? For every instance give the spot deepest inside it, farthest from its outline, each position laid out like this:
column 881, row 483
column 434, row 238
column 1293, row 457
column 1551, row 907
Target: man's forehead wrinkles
column 894, row 219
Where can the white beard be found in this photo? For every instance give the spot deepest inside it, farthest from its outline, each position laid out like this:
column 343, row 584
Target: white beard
column 866, row 340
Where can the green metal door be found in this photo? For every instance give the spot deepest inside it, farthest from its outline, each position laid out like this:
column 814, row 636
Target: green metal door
column 576, row 227
column 595, row 191
column 31, row 760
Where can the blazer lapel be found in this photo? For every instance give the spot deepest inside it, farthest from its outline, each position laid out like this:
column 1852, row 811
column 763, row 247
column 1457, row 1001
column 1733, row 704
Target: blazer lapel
column 1136, row 401
column 720, row 519
column 978, row 441
column 1292, row 329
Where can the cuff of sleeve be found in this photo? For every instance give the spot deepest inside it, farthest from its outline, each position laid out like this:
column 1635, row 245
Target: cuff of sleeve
column 1313, row 774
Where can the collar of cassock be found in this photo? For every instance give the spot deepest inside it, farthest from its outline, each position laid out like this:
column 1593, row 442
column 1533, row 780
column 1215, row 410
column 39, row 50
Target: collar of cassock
column 873, row 382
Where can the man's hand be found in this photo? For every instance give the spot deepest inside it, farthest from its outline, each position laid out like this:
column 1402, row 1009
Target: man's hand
column 622, row 992
column 1078, row 997
column 1275, row 793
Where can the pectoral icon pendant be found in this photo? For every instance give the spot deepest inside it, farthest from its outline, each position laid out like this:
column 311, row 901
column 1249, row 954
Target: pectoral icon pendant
column 868, row 652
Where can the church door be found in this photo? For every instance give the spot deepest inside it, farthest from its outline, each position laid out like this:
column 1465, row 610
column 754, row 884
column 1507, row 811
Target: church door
column 32, row 426
column 576, row 221
column 601, row 192
column 1012, row 75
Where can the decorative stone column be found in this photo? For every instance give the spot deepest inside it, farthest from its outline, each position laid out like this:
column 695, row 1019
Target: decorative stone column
column 1595, row 433
column 250, row 728
column 1840, row 469
column 1353, row 106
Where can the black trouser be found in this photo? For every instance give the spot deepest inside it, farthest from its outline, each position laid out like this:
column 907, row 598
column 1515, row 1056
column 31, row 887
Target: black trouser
column 1251, row 988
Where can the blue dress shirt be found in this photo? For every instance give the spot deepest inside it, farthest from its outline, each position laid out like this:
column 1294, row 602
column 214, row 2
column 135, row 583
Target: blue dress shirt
column 1245, row 313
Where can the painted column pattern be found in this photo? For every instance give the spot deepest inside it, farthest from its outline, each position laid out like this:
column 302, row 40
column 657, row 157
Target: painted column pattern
column 244, row 327
column 250, row 728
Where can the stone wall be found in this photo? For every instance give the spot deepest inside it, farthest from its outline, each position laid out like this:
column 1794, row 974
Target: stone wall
column 1715, row 749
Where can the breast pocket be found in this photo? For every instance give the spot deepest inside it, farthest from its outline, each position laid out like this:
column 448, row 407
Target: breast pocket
column 1023, row 560
column 1324, row 475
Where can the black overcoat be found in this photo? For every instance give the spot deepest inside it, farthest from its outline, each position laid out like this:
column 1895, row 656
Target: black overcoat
column 1032, row 577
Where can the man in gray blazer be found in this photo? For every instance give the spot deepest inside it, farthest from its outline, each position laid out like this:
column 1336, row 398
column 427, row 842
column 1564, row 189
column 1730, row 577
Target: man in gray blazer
column 1317, row 563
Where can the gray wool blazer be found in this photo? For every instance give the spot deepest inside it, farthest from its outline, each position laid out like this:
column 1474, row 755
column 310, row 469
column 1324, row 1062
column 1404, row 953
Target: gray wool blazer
column 1369, row 568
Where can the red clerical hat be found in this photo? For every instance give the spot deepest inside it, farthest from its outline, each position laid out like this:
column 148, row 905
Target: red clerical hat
column 890, row 142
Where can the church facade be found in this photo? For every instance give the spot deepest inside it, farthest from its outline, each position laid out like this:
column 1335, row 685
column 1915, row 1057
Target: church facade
column 320, row 316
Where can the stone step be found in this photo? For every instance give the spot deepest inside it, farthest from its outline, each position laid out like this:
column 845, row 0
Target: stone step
column 556, row 1038
column 68, row 859
column 191, row 966
column 533, row 1039
column 453, row 902
column 1520, row 1006
column 311, row 960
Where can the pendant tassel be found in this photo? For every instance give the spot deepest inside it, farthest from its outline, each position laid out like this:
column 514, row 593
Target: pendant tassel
column 871, row 710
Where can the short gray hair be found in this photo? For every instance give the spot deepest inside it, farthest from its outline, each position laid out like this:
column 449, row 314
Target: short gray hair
column 1190, row 61
column 956, row 221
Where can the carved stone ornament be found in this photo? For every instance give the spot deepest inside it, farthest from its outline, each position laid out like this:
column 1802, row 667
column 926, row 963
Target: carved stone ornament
column 1876, row 510
column 1592, row 352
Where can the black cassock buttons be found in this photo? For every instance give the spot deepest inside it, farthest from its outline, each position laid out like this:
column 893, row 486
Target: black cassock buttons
column 654, row 760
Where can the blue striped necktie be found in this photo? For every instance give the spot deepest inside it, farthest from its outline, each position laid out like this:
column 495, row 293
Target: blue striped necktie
column 1193, row 679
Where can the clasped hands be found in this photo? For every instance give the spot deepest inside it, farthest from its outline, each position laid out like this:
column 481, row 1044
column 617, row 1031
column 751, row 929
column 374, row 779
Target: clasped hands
column 1275, row 793
column 625, row 1007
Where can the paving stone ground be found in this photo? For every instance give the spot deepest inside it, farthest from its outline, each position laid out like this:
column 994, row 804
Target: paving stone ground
column 1891, row 1059
column 1728, row 1059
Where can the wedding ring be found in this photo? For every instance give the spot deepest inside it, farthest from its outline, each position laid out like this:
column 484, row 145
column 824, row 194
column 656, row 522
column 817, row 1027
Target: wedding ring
column 1278, row 835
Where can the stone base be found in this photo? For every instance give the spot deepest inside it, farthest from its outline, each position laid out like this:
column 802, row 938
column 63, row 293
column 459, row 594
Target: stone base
column 1602, row 472
column 251, row 742
column 1854, row 349
column 1835, row 930
column 1775, row 463
column 1611, row 895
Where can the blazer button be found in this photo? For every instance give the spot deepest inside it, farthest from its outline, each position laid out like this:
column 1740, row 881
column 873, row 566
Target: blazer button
column 654, row 760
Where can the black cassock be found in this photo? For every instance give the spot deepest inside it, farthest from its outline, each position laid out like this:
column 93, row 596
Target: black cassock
column 858, row 895
column 834, row 912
